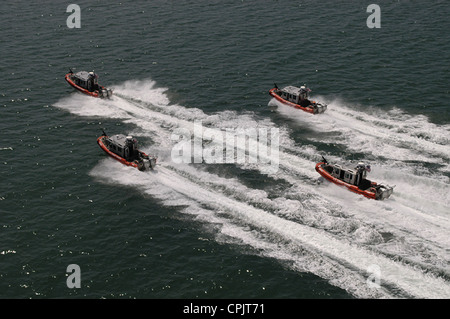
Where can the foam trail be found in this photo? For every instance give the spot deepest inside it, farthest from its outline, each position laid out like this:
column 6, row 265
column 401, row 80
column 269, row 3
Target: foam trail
column 418, row 233
column 393, row 134
column 403, row 277
column 290, row 164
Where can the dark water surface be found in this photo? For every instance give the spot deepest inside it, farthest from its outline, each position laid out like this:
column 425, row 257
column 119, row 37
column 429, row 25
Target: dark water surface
column 224, row 231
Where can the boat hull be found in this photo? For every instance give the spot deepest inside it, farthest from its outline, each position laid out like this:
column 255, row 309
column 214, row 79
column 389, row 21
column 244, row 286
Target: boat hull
column 119, row 158
column 308, row 109
column 369, row 193
column 95, row 93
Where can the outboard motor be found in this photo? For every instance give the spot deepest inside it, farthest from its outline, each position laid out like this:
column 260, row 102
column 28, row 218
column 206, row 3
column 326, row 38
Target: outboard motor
column 146, row 163
column 108, row 93
column 152, row 161
column 385, row 191
column 321, row 107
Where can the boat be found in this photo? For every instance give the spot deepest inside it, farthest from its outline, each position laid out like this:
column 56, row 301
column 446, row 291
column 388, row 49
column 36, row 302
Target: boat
column 87, row 83
column 124, row 149
column 297, row 97
column 354, row 179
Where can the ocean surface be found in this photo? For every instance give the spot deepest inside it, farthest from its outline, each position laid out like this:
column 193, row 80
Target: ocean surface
column 202, row 230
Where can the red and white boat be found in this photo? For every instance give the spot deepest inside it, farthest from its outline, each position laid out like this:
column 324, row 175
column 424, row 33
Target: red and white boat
column 87, row 83
column 124, row 149
column 354, row 179
column 297, row 97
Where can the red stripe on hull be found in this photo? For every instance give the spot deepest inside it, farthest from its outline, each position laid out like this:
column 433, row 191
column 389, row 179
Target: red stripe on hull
column 297, row 106
column 351, row 187
column 113, row 155
column 79, row 88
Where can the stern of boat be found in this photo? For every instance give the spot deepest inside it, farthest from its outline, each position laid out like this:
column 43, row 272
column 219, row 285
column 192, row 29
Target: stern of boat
column 384, row 192
column 147, row 163
column 105, row 93
column 319, row 108
column 152, row 162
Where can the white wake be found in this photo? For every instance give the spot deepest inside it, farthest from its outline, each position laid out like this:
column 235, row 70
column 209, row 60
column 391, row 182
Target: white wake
column 313, row 227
